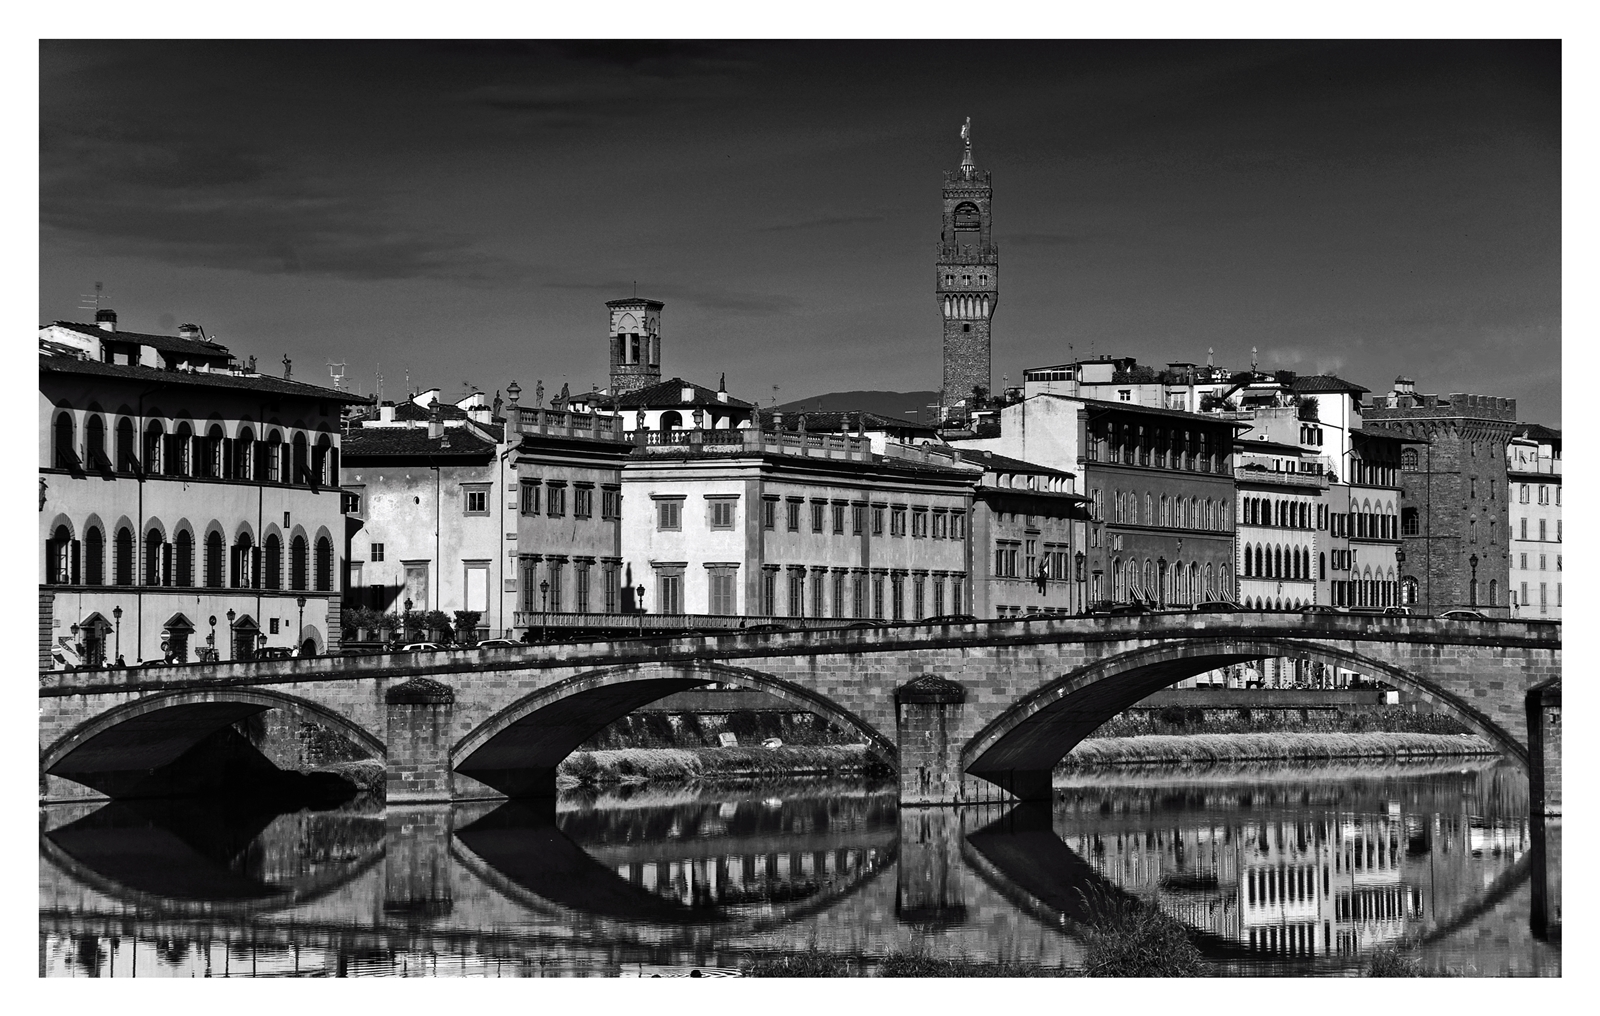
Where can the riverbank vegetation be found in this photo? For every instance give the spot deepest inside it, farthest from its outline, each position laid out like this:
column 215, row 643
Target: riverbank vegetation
column 634, row 765
column 1205, row 748
column 1189, row 720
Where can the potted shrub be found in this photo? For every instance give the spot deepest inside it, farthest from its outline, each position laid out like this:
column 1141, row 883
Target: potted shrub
column 467, row 625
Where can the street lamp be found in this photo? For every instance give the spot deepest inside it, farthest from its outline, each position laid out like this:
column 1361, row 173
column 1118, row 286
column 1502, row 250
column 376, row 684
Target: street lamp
column 1473, row 588
column 638, row 603
column 231, row 647
column 1161, row 583
column 544, row 609
column 211, row 639
column 300, row 625
column 116, row 613
column 1400, row 566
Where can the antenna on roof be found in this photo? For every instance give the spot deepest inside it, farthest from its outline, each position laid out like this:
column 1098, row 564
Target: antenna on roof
column 774, row 395
column 91, row 301
column 378, row 383
column 336, row 371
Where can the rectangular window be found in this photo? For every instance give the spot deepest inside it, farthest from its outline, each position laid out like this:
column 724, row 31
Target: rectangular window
column 794, row 515
column 769, row 591
column 897, row 521
column 1558, row 530
column 1523, row 561
column 819, row 586
column 897, row 596
column 722, row 513
column 610, row 503
column 580, row 585
column 797, row 592
column 723, row 591
column 669, row 592
column 1543, row 602
column 1541, row 562
column 1523, row 599
column 941, row 525
column 555, row 502
column 919, row 524
column 938, row 595
column 838, row 519
column 769, row 513
column 858, row 519
column 272, row 626
column 877, row 597
column 1541, row 530
column 530, row 497
column 838, row 595
column 582, row 501
column 376, row 553
column 669, row 515
column 608, row 579
column 1522, row 532
column 818, row 508
column 556, row 568
column 958, row 525
column 919, row 585
column 877, row 520
column 858, row 594
column 477, row 500
column 1030, row 568
column 957, row 601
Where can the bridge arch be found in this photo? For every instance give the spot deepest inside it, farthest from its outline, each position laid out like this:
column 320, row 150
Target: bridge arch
column 116, row 751
column 516, row 750
column 1018, row 749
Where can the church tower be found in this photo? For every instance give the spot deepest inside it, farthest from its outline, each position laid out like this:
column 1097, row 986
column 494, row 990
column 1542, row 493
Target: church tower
column 635, row 340
column 968, row 282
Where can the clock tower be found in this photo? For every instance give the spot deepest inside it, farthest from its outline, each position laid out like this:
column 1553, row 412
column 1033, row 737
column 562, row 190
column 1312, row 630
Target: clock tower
column 967, row 286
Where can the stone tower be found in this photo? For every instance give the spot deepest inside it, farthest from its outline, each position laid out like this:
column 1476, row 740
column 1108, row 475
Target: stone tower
column 967, row 286
column 635, row 340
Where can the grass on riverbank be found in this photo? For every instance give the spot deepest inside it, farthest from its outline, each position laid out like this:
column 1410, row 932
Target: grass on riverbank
column 593, row 768
column 1191, row 720
column 1207, row 748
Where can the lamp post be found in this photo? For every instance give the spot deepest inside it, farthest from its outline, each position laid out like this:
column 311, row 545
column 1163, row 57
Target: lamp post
column 1473, row 588
column 405, row 621
column 116, row 614
column 1161, row 583
column 1077, row 574
column 1400, row 566
column 261, row 644
column 300, row 624
column 211, row 639
column 544, row 609
column 638, row 603
column 231, row 648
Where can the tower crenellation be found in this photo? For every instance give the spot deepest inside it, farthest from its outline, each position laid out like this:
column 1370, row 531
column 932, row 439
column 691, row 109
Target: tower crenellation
column 635, row 341
column 967, row 280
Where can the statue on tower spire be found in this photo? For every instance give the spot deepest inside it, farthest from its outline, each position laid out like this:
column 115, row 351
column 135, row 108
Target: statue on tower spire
column 966, row 137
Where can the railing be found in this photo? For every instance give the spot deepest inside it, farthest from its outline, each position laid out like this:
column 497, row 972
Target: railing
column 673, row 622
column 1245, row 474
column 829, row 446
column 596, row 426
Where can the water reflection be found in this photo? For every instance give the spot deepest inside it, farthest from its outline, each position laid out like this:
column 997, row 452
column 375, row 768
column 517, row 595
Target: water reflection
column 1277, row 871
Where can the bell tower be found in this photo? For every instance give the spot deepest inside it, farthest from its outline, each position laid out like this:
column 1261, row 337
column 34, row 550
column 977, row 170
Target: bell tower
column 967, row 286
column 635, row 340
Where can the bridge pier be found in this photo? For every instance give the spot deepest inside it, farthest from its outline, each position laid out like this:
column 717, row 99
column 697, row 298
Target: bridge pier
column 929, row 893
column 419, row 737
column 417, row 865
column 1544, row 794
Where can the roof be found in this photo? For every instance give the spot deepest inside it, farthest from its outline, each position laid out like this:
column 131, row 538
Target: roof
column 165, row 343
column 409, row 410
column 413, row 442
column 1310, row 384
column 669, row 395
column 1005, row 463
column 1246, row 444
column 1369, row 431
column 195, row 379
column 845, row 422
column 1134, row 407
column 1537, row 432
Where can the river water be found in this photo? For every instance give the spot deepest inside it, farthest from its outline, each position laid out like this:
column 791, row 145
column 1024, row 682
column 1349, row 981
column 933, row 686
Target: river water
column 1277, row 869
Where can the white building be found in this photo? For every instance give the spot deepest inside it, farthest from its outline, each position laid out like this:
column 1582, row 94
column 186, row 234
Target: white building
column 1533, row 484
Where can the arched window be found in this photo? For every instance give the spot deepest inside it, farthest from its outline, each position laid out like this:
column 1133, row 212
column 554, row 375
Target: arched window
column 1408, row 459
column 1118, row 592
column 152, row 557
column 58, row 557
column 94, row 450
column 124, row 557
column 94, row 557
column 213, row 578
column 1322, row 566
column 184, row 553
column 320, row 461
column 1149, row 510
column 180, row 456
column 153, row 438
column 124, row 445
column 244, row 454
column 272, row 458
column 299, row 471
column 297, row 563
column 239, row 570
column 66, row 456
column 215, row 442
column 671, row 420
column 1494, row 592
column 273, row 563
column 1408, row 590
column 1149, row 578
column 324, row 564
column 1248, row 570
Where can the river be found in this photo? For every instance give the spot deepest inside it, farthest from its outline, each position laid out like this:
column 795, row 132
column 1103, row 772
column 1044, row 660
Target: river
column 1278, row 869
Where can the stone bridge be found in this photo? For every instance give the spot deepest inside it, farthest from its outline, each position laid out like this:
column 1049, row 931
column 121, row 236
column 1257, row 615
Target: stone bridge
column 964, row 712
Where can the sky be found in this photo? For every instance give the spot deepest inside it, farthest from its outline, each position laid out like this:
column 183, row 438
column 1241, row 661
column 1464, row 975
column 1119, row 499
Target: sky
column 461, row 212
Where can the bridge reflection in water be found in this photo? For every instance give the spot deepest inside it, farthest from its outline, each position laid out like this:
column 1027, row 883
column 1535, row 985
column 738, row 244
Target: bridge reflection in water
column 1276, row 872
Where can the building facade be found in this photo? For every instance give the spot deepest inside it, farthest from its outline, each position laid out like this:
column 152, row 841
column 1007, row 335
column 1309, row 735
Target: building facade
column 967, row 278
column 1455, row 513
column 181, row 492
column 1027, row 528
column 1280, row 505
column 784, row 524
column 1533, row 491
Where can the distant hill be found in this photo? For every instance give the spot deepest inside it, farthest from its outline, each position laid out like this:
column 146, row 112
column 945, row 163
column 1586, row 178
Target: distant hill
column 896, row 404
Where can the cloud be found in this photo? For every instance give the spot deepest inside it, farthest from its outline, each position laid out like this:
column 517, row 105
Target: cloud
column 728, row 300
column 1053, row 239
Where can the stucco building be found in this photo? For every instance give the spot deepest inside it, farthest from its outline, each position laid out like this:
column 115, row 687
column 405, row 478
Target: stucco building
column 189, row 505
column 1533, row 491
column 1027, row 535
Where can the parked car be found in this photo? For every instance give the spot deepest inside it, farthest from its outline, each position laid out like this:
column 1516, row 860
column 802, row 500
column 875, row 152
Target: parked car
column 1128, row 610
column 1462, row 614
column 1217, row 607
column 421, row 647
column 1036, row 615
column 1321, row 608
column 275, row 653
column 1399, row 612
column 499, row 644
column 951, row 619
column 862, row 626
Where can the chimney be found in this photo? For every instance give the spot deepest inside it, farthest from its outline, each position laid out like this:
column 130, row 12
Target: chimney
column 106, row 319
column 722, row 389
column 1404, row 386
column 187, row 331
column 435, row 421
column 386, row 413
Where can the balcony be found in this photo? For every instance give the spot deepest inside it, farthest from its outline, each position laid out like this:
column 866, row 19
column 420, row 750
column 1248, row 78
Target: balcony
column 559, row 423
